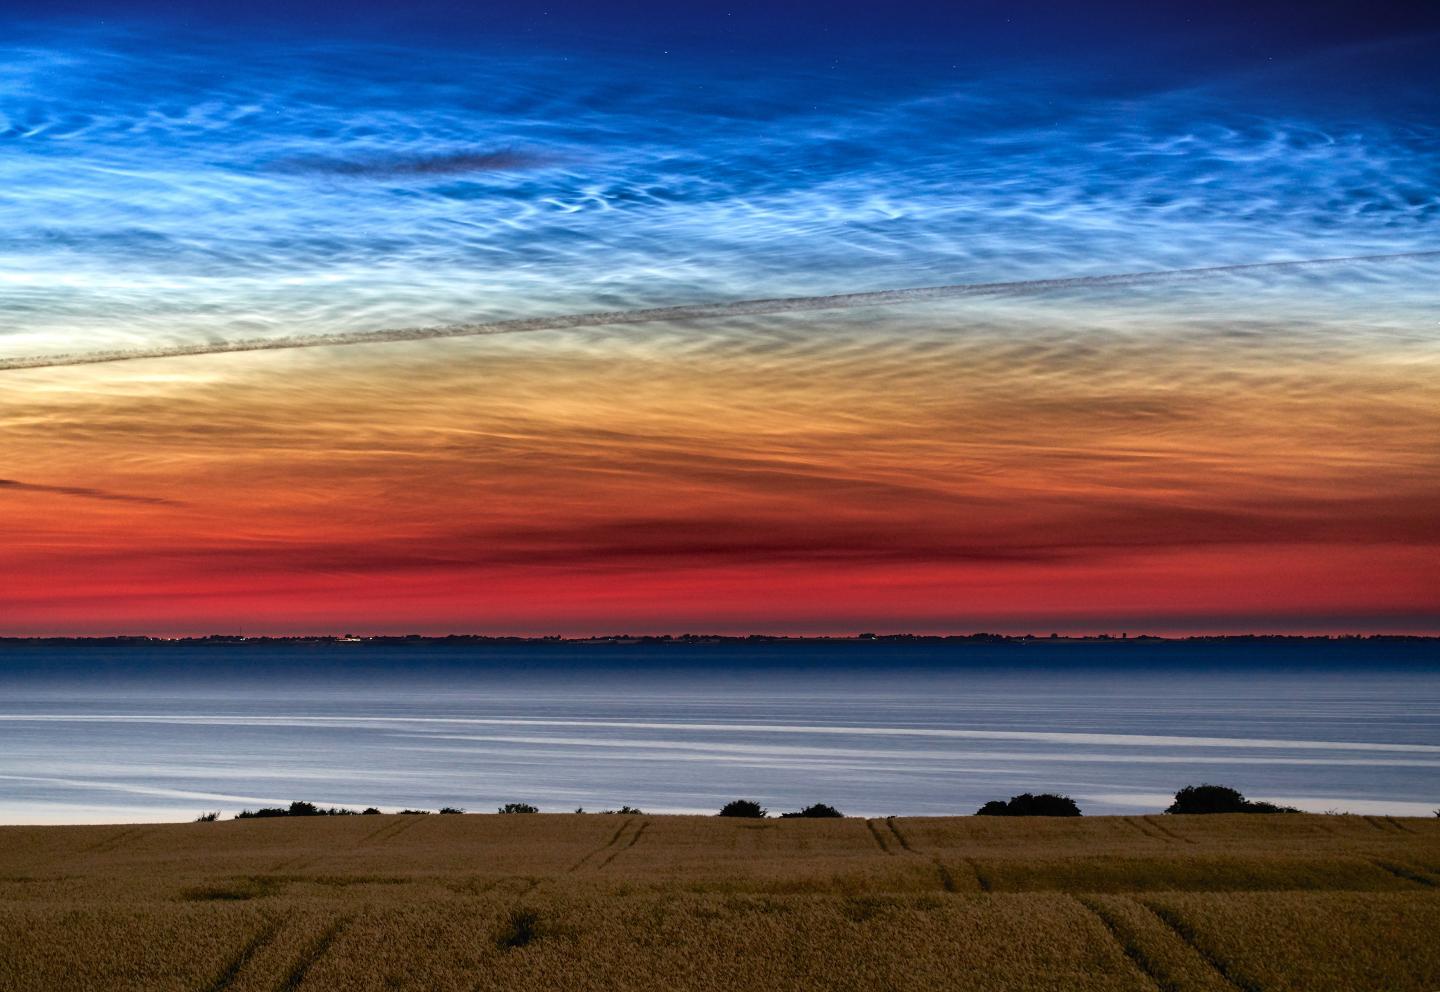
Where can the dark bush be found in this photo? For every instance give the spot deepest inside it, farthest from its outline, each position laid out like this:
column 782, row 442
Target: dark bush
column 815, row 812
column 1261, row 807
column 1027, row 804
column 370, row 811
column 1220, row 799
column 518, row 808
column 208, row 817
column 451, row 810
column 1045, row 804
column 294, row 809
column 746, row 808
column 623, row 811
column 520, row 928
column 414, row 812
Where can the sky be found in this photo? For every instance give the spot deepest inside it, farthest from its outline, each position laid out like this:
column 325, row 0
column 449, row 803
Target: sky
column 1245, row 450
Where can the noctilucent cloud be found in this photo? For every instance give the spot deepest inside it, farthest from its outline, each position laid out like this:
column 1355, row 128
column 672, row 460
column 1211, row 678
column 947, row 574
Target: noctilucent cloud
column 1249, row 450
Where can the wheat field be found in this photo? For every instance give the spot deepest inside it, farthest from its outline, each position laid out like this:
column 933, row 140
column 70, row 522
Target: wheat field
column 470, row 902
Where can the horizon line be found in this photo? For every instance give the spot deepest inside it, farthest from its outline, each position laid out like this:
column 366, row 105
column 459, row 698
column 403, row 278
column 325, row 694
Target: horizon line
column 753, row 636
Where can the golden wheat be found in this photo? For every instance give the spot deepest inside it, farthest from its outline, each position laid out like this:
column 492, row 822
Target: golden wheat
column 471, row 903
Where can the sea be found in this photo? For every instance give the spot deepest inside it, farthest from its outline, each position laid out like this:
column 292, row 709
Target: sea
column 119, row 733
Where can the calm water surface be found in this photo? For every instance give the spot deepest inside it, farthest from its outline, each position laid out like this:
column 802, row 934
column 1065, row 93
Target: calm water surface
column 161, row 733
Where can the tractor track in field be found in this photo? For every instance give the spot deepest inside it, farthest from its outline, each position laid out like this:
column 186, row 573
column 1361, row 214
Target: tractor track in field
column 603, row 847
column 634, row 839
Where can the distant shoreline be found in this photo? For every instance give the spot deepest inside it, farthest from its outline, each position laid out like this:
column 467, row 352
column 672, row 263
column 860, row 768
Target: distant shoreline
column 1298, row 817
column 683, row 639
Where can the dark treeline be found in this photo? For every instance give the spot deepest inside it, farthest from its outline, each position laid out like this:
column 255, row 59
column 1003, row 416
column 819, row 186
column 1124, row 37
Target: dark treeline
column 1026, row 804
column 1192, row 799
column 983, row 637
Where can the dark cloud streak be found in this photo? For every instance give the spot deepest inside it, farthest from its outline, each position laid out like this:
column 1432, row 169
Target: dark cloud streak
column 1057, row 534
column 84, row 492
column 397, row 167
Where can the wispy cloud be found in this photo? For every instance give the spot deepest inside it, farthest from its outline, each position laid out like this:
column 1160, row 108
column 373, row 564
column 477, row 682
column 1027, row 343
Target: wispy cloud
column 705, row 311
column 84, row 492
column 167, row 191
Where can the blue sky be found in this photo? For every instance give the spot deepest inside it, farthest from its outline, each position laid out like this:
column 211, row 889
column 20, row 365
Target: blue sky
column 173, row 173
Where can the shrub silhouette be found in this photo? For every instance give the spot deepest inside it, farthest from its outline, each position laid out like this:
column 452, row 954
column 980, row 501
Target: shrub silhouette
column 1220, row 799
column 623, row 811
column 815, row 812
column 414, row 812
column 744, row 807
column 208, row 817
column 1260, row 807
column 294, row 809
column 370, row 811
column 1027, row 804
column 518, row 808
column 451, row 810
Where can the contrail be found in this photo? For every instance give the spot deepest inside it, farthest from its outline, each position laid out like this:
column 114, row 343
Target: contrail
column 697, row 311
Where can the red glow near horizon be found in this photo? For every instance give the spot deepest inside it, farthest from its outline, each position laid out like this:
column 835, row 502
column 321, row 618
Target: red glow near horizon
column 607, row 486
